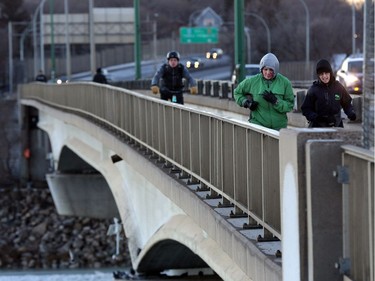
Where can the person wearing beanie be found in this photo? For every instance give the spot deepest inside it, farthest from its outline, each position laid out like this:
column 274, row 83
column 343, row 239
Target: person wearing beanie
column 99, row 77
column 325, row 99
column 268, row 95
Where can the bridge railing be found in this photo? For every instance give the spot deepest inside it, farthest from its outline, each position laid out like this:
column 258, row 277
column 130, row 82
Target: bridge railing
column 359, row 214
column 234, row 160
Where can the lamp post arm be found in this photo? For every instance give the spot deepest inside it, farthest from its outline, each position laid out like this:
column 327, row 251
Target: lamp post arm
column 266, row 27
column 307, row 31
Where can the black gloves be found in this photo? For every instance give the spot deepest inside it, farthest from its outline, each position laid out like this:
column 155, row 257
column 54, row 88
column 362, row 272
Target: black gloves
column 352, row 116
column 250, row 104
column 331, row 120
column 270, row 97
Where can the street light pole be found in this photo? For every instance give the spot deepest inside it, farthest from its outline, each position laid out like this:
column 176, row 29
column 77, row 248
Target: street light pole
column 10, row 46
column 137, row 41
column 41, row 34
column 39, row 10
column 239, row 37
column 67, row 41
column 92, row 37
column 192, row 16
column 35, row 46
column 353, row 28
column 266, row 27
column 307, row 36
column 155, row 32
column 248, row 43
column 53, row 65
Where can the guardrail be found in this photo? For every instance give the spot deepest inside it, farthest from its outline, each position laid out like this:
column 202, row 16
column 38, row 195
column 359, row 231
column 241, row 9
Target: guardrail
column 224, row 90
column 214, row 88
column 227, row 157
column 358, row 262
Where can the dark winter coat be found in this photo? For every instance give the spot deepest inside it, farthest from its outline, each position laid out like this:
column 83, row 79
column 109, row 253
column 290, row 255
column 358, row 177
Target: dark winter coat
column 100, row 78
column 173, row 77
column 323, row 103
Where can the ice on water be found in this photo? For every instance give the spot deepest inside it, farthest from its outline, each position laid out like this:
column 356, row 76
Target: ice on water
column 27, row 276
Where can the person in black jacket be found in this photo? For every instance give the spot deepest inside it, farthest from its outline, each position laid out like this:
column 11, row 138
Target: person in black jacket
column 41, row 77
column 172, row 74
column 99, row 77
column 325, row 99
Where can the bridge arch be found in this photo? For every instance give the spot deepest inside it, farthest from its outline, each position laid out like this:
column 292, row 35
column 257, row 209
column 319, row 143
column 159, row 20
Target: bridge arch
column 70, row 162
column 183, row 237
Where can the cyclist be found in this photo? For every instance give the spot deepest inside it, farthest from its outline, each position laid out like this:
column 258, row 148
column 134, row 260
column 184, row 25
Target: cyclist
column 172, row 73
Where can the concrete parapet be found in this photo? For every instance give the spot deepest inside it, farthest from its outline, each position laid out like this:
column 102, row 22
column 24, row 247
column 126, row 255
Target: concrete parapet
column 215, row 89
column 200, row 85
column 207, row 88
column 225, row 90
column 300, row 97
column 357, row 106
column 308, row 158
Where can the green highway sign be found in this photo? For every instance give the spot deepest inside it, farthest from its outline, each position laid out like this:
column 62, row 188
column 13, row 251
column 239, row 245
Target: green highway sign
column 199, row 35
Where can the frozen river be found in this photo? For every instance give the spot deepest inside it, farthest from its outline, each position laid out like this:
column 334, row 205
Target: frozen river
column 84, row 275
column 57, row 276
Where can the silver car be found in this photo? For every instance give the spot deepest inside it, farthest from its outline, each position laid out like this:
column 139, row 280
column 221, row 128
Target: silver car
column 350, row 74
column 250, row 70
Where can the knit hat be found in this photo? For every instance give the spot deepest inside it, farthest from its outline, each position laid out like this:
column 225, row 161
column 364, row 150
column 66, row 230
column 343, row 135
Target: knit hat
column 323, row 66
column 270, row 60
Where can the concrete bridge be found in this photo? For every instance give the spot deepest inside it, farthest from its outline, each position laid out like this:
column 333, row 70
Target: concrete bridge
column 198, row 191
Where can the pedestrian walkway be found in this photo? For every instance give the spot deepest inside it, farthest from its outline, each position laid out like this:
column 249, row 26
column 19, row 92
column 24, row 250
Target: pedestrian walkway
column 229, row 109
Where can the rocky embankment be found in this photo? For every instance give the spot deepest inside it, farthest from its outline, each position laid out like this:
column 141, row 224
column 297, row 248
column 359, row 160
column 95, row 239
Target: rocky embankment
column 34, row 236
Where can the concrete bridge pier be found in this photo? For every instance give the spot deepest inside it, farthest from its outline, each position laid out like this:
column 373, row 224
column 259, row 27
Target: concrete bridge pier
column 82, row 195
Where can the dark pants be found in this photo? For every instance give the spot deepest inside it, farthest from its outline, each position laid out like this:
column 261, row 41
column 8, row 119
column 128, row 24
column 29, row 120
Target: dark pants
column 166, row 94
column 327, row 121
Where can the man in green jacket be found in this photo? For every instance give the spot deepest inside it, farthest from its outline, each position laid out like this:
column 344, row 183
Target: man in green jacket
column 269, row 95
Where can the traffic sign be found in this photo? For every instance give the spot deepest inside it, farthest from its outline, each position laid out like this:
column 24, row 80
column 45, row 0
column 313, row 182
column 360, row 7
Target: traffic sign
column 199, row 35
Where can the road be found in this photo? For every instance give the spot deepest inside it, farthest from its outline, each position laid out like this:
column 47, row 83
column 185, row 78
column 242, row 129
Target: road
column 219, row 69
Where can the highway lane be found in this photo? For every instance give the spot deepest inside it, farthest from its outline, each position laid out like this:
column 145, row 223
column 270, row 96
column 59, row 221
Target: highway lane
column 219, row 69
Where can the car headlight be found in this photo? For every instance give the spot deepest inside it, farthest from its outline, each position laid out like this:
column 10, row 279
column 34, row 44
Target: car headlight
column 208, row 55
column 196, row 64
column 188, row 64
column 351, row 79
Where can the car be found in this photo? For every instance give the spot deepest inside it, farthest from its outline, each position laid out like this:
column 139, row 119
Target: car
column 350, row 74
column 250, row 70
column 214, row 53
column 194, row 63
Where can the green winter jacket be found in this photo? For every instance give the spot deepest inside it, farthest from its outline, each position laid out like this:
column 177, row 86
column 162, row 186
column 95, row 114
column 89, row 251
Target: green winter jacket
column 267, row 114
